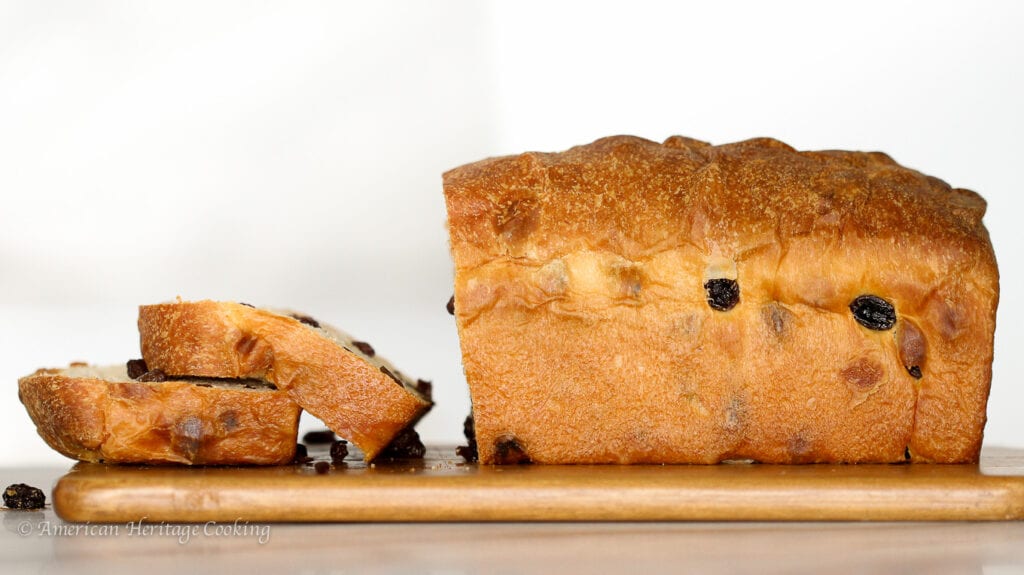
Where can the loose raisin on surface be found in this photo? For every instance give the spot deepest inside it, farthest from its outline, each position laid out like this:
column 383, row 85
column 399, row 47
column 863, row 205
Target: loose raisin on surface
column 468, row 452
column 318, row 437
column 873, row 312
column 339, row 451
column 723, row 294
column 364, row 347
column 302, row 454
column 306, row 320
column 451, row 305
column 507, row 451
column 21, row 496
column 153, row 375
column 405, row 445
column 136, row 368
column 321, row 467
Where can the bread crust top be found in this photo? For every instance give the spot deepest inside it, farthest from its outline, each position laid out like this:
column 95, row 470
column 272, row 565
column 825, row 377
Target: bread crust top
column 726, row 199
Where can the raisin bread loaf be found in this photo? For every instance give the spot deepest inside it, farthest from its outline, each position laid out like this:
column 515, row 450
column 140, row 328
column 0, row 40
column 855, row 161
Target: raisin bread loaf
column 100, row 414
column 355, row 392
column 628, row 301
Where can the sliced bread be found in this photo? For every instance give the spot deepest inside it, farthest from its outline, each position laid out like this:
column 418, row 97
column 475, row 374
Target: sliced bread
column 100, row 414
column 356, row 393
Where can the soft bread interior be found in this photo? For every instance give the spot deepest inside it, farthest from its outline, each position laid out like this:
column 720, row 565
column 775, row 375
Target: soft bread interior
column 119, row 374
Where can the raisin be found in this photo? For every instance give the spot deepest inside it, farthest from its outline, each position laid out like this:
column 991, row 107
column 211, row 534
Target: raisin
column 339, row 451
column 136, row 368
column 21, row 496
column 405, row 445
column 425, row 388
column 388, row 373
column 723, row 294
column 507, row 451
column 915, row 371
column 468, row 452
column 306, row 320
column 873, row 312
column 322, row 467
column 318, row 437
column 302, row 454
column 451, row 305
column 153, row 375
column 364, row 347
column 469, row 428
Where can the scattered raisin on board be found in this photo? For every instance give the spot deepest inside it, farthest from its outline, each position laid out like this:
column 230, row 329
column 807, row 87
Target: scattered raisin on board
column 301, row 454
column 21, row 496
column 405, row 445
column 339, row 451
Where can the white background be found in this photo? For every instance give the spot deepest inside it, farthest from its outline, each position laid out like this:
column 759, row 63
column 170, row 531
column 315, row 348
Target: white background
column 290, row 154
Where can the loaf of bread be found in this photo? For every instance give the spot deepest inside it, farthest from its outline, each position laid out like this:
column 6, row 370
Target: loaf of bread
column 100, row 414
column 355, row 392
column 628, row 301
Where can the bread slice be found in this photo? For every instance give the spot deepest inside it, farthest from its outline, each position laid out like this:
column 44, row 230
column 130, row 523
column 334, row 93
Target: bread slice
column 99, row 414
column 630, row 301
column 356, row 393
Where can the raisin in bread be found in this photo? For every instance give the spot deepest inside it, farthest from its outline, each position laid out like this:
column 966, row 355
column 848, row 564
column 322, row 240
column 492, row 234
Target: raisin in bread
column 628, row 301
column 355, row 392
column 100, row 414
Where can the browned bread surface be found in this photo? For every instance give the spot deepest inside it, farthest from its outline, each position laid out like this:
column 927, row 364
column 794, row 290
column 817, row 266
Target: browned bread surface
column 582, row 303
column 360, row 396
column 99, row 414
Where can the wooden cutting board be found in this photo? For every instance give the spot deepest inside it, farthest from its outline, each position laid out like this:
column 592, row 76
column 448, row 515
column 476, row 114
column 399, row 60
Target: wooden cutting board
column 443, row 488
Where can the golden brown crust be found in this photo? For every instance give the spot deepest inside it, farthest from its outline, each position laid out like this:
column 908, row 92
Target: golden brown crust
column 346, row 390
column 99, row 420
column 586, row 334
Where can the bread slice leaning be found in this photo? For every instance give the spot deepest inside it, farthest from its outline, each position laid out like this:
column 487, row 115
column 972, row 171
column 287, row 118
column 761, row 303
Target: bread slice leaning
column 99, row 414
column 360, row 396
